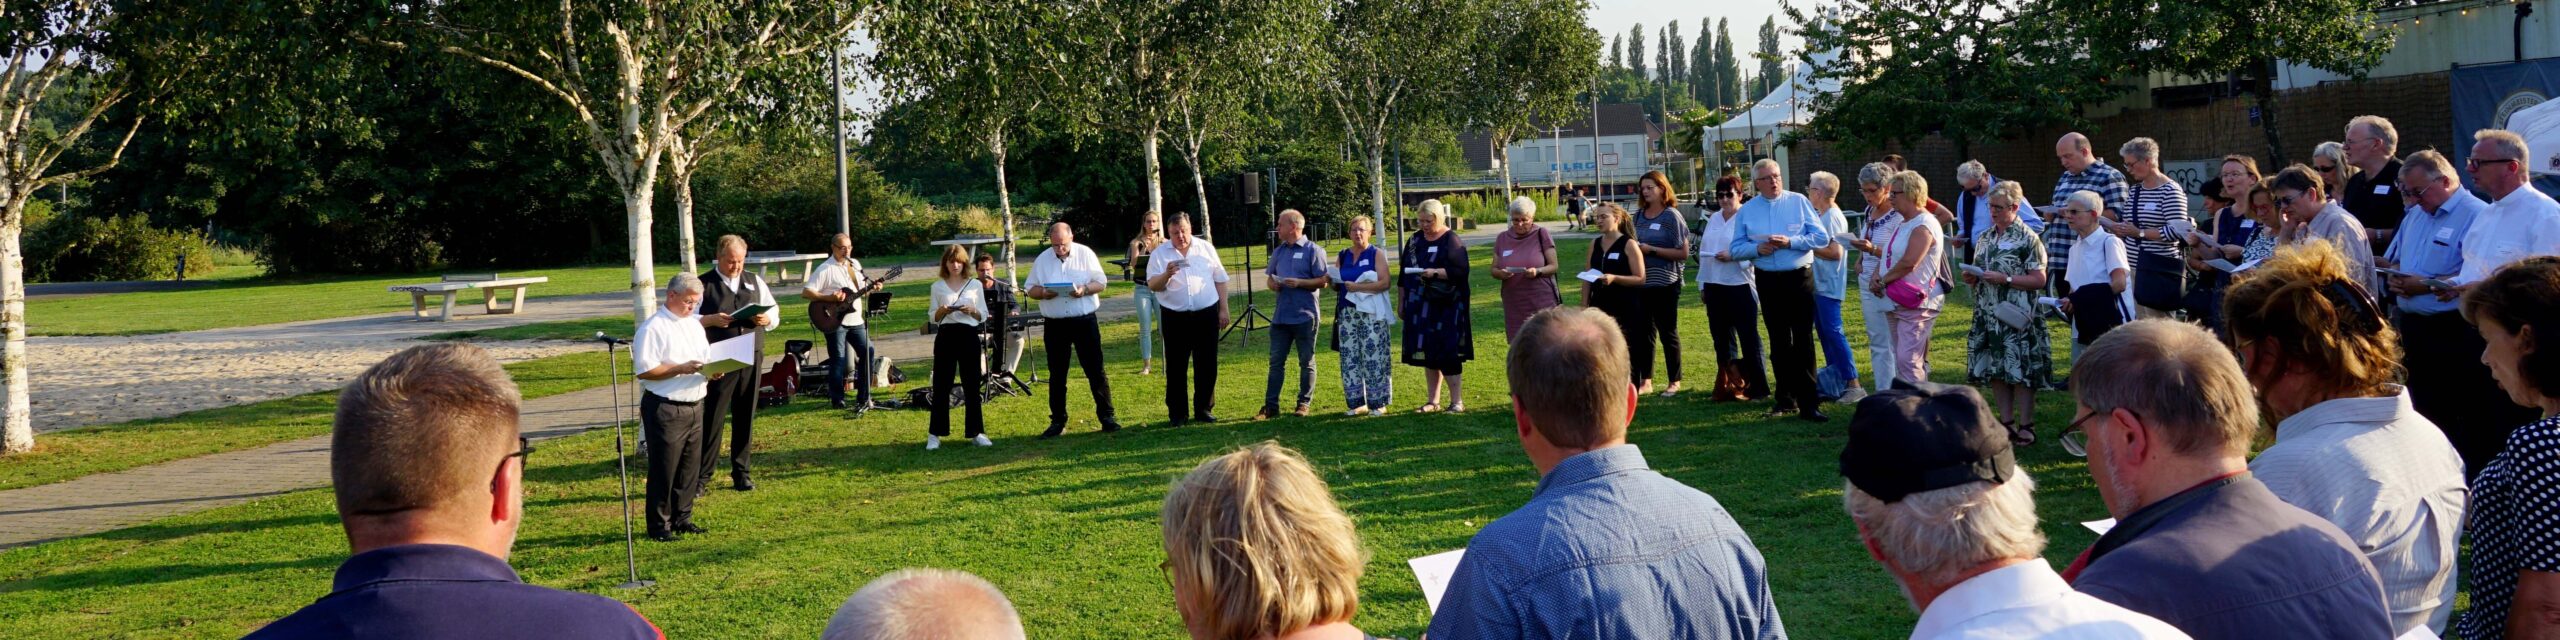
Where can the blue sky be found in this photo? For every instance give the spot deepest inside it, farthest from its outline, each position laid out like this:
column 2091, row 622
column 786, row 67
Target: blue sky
column 1615, row 17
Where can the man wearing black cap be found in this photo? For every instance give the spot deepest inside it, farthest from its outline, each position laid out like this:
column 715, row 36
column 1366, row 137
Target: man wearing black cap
column 1941, row 503
column 2166, row 417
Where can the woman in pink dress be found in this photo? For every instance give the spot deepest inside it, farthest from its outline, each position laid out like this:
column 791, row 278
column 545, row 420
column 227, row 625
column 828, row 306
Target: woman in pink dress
column 1524, row 259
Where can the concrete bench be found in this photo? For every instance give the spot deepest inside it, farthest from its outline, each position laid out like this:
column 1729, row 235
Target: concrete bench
column 450, row 287
column 763, row 260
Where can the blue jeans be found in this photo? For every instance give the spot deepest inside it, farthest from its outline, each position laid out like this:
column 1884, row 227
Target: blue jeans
column 849, row 348
column 1147, row 310
column 1301, row 336
column 1839, row 367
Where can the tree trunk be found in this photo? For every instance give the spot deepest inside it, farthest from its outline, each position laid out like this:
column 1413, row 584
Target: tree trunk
column 644, row 273
column 1502, row 150
column 1376, row 148
column 1200, row 186
column 1155, row 171
column 21, row 434
column 1004, row 202
column 2266, row 101
column 684, row 210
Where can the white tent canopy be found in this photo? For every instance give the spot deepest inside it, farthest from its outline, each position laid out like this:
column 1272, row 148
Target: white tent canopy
column 2540, row 126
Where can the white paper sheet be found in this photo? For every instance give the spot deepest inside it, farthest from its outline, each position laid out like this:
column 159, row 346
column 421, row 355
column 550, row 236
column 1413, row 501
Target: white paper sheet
column 731, row 355
column 1434, row 571
column 2050, row 302
column 2101, row 526
column 1591, row 275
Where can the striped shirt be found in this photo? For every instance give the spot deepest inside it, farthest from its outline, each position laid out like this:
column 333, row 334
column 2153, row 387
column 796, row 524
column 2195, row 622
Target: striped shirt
column 2150, row 209
column 2389, row 479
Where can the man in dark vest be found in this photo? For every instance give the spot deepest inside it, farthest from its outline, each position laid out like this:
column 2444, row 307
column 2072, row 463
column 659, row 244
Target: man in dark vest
column 726, row 289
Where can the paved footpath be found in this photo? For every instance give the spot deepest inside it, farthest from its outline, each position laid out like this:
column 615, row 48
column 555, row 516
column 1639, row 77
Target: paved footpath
column 110, row 501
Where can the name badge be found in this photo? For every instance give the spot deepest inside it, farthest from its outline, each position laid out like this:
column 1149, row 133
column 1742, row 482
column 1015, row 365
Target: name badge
column 2381, row 189
column 2008, row 246
column 2444, row 234
column 1613, row 255
column 2248, row 224
column 1433, row 251
column 1655, row 226
column 1506, row 253
column 1364, row 262
column 1302, row 255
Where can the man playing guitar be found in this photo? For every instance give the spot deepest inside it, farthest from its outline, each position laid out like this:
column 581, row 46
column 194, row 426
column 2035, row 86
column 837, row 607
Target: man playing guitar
column 835, row 292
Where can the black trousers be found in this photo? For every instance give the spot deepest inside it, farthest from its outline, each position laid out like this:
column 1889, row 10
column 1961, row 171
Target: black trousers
column 732, row 400
column 2449, row 386
column 1733, row 319
column 956, row 353
column 1627, row 308
column 1662, row 312
column 673, row 430
column 1190, row 340
column 1081, row 335
column 1786, row 300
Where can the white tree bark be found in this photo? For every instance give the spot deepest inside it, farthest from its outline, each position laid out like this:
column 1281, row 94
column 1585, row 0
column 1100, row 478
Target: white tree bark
column 682, row 158
column 1155, row 171
column 21, row 436
column 1004, row 202
column 1502, row 151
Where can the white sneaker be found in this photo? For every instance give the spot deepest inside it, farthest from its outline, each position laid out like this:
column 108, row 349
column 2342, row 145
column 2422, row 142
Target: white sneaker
column 1852, row 395
column 983, row 441
column 932, row 442
column 1358, row 411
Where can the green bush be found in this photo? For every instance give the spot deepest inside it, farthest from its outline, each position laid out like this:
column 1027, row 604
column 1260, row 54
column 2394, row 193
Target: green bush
column 1488, row 209
column 69, row 249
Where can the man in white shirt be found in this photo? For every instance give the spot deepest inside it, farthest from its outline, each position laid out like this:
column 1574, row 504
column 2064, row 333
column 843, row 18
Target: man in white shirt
column 1939, row 499
column 667, row 356
column 728, row 288
column 1068, row 281
column 1191, row 284
column 839, row 281
column 2097, row 259
column 2521, row 221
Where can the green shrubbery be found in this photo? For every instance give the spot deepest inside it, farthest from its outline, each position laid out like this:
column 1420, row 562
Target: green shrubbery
column 1489, row 209
column 77, row 248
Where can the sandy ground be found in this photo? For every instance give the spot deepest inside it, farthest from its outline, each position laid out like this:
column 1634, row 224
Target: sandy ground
column 80, row 381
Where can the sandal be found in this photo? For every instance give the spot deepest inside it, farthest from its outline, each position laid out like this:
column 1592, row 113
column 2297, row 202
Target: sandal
column 1672, row 390
column 1459, row 407
column 2022, row 435
column 1428, row 407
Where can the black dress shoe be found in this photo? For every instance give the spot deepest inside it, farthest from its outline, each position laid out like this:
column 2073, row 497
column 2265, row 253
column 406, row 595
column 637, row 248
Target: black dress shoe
column 741, row 483
column 664, row 536
column 1204, row 418
column 1176, row 422
column 691, row 528
column 838, row 403
column 1054, row 431
column 1813, row 414
column 1109, row 425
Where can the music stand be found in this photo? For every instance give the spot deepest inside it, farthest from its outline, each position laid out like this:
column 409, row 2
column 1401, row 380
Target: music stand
column 1271, row 236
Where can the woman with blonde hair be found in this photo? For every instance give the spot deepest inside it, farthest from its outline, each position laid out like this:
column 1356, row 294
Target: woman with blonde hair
column 1439, row 336
column 2348, row 444
column 2007, row 351
column 1257, row 549
column 1150, row 235
column 1362, row 319
column 1910, row 278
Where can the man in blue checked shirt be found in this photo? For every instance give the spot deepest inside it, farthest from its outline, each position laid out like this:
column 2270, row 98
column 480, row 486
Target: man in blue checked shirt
column 2447, row 382
column 1606, row 547
column 1781, row 228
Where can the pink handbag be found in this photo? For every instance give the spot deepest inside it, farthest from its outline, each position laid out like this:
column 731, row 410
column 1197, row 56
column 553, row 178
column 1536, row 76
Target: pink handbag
column 1904, row 293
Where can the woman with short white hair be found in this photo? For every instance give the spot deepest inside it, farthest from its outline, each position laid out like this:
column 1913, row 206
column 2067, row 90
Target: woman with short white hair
column 1439, row 336
column 1524, row 260
column 1838, row 378
column 2151, row 228
column 2329, row 161
column 1883, row 224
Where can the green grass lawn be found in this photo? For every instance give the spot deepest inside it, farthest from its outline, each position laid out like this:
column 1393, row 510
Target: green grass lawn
column 1067, row 527
column 255, row 301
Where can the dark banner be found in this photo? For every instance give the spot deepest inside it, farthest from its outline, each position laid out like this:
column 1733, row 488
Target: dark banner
column 2484, row 95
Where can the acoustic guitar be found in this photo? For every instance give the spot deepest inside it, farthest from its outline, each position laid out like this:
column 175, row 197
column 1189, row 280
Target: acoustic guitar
column 828, row 315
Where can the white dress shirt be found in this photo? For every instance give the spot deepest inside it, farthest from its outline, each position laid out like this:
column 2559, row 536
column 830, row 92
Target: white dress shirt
column 1079, row 268
column 970, row 293
column 2389, row 478
column 667, row 338
column 1194, row 288
column 2029, row 600
column 764, row 296
column 1715, row 233
column 2095, row 260
column 832, row 277
column 2524, row 224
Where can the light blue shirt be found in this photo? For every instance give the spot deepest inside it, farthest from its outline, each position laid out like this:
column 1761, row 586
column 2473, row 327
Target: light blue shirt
column 1608, row 548
column 1831, row 276
column 1790, row 215
column 2429, row 244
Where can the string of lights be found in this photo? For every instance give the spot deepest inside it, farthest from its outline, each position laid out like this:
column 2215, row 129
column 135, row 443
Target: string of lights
column 2409, row 13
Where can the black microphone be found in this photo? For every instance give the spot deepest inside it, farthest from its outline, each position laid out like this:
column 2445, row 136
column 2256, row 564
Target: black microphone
column 601, row 337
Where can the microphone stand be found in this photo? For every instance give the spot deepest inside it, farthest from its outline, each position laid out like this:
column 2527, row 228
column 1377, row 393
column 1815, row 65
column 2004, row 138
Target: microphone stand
column 622, row 462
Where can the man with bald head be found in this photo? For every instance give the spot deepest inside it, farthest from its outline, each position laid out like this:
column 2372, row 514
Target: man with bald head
column 428, row 467
column 1068, row 281
column 1297, row 271
column 2082, row 170
column 1606, row 542
column 925, row 604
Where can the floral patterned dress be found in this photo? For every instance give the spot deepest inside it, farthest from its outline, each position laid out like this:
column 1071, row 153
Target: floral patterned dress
column 1996, row 351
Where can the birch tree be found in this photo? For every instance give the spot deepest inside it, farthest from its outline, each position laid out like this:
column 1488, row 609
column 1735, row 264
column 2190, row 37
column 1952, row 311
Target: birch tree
column 1382, row 71
column 631, row 74
column 1536, row 58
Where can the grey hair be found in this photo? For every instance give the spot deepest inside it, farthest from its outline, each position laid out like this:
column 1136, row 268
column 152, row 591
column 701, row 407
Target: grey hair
column 2144, row 148
column 1434, row 210
column 2506, row 142
column 2181, row 380
column 2009, row 191
column 1941, row 534
column 733, row 240
column 2334, row 151
column 2427, row 163
column 1970, row 171
column 1874, row 174
column 1772, row 166
column 1823, row 180
column 2381, row 129
column 914, row 604
column 1293, row 215
column 1522, row 204
column 2089, row 200
column 684, row 283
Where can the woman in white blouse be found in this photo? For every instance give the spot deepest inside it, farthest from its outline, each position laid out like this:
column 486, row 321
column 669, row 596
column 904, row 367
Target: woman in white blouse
column 1910, row 278
column 959, row 304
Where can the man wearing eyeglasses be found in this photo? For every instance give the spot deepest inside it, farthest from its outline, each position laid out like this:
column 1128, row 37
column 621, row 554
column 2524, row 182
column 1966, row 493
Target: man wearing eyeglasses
column 2165, row 417
column 428, row 467
column 2372, row 193
column 2521, row 221
column 2447, row 383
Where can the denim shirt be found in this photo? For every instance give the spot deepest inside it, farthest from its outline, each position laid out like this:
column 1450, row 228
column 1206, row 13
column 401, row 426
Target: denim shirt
column 2429, row 244
column 1789, row 215
column 1831, row 275
column 1303, row 261
column 1608, row 548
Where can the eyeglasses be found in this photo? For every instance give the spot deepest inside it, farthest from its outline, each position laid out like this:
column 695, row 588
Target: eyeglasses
column 2476, row 162
column 2284, row 201
column 2075, row 440
column 2004, row 207
column 524, row 449
column 2324, row 168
